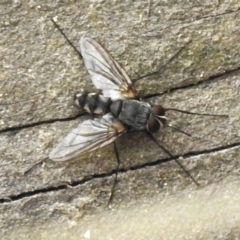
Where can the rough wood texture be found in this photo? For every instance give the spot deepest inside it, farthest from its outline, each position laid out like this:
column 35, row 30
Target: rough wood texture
column 154, row 199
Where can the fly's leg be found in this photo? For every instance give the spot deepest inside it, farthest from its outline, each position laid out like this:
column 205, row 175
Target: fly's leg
column 159, row 71
column 175, row 158
column 64, row 35
column 116, row 175
column 194, row 113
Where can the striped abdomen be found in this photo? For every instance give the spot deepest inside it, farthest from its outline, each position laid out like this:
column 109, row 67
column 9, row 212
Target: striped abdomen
column 92, row 103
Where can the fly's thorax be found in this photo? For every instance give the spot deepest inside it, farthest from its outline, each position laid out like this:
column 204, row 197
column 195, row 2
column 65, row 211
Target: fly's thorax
column 156, row 119
column 93, row 103
column 132, row 113
column 116, row 107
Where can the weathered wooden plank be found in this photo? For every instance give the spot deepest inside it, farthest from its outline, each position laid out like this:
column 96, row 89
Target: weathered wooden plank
column 144, row 207
column 43, row 61
column 20, row 151
column 36, row 59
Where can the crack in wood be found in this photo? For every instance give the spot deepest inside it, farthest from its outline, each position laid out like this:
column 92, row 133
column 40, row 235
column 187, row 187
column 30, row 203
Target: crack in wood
column 209, row 79
column 48, row 121
column 112, row 173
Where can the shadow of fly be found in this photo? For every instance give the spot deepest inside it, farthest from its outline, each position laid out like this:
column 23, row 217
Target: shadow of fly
column 115, row 110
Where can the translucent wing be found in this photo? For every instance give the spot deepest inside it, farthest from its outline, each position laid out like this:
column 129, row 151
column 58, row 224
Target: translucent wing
column 88, row 136
column 106, row 74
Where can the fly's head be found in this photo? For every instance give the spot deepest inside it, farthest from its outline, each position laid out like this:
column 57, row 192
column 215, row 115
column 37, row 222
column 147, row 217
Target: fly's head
column 156, row 119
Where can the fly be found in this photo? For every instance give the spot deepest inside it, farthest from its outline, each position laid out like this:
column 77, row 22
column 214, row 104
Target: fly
column 117, row 108
column 116, row 105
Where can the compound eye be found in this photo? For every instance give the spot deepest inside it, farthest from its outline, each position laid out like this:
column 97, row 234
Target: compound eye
column 153, row 124
column 158, row 110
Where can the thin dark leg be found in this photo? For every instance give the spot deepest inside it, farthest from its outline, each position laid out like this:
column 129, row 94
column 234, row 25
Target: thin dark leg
column 175, row 158
column 64, row 35
column 116, row 175
column 193, row 113
column 33, row 166
column 163, row 66
column 179, row 130
column 23, row 100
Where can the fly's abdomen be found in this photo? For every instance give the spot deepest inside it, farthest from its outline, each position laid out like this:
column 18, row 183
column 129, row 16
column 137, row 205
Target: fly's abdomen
column 92, row 103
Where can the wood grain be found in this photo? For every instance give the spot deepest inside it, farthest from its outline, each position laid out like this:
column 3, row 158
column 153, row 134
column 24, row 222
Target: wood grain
column 40, row 73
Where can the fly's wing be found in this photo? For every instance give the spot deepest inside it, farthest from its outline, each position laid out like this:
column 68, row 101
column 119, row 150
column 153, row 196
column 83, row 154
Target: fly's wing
column 88, row 136
column 106, row 74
